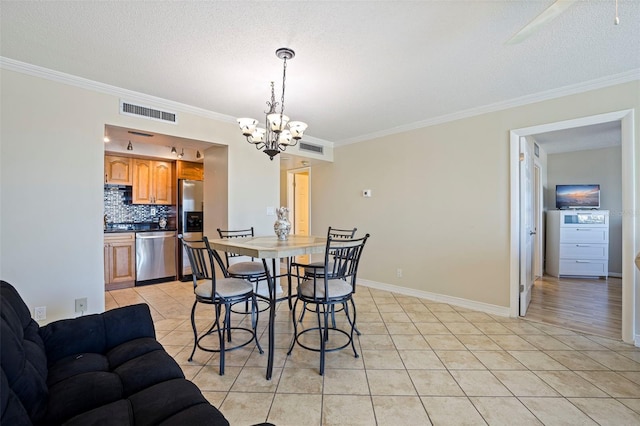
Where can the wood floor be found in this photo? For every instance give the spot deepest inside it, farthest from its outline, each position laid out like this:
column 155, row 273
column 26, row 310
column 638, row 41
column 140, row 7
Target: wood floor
column 589, row 305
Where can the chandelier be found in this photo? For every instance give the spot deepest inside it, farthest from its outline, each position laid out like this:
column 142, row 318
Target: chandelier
column 279, row 131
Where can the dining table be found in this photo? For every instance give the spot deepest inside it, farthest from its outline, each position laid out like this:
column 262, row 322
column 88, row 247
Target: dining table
column 275, row 249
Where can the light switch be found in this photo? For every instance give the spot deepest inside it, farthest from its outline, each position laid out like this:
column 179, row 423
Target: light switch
column 271, row 211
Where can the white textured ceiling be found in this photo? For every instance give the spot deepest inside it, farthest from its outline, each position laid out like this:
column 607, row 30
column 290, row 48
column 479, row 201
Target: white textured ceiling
column 362, row 68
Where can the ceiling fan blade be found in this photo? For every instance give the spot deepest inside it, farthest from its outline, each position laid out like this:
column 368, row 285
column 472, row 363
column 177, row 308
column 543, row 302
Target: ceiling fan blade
column 544, row 18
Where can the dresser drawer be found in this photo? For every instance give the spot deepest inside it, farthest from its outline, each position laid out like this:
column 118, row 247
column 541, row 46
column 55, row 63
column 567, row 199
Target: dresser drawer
column 584, row 235
column 584, row 251
column 598, row 268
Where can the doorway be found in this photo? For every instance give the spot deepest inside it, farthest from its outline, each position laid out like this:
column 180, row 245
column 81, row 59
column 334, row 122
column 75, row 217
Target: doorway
column 299, row 202
column 629, row 203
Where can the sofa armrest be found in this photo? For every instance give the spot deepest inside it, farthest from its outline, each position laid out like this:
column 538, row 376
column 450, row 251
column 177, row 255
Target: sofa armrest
column 96, row 333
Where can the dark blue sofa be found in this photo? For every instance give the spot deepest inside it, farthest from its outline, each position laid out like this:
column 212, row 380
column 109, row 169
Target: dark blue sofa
column 103, row 369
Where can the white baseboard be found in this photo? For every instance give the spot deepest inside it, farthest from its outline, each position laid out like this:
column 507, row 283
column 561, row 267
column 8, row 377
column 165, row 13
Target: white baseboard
column 456, row 301
column 636, row 341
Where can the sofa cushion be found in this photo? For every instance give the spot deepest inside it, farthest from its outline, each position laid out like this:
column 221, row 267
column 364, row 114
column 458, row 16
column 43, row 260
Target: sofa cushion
column 158, row 366
column 81, row 393
column 117, row 413
column 76, row 364
column 161, row 402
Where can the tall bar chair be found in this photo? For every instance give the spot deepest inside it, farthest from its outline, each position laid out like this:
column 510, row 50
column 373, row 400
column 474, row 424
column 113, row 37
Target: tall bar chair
column 335, row 285
column 219, row 292
column 317, row 268
column 249, row 270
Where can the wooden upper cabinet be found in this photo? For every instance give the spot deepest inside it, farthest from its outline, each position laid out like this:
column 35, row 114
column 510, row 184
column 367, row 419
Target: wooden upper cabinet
column 118, row 170
column 162, row 182
column 141, row 182
column 190, row 170
column 152, row 182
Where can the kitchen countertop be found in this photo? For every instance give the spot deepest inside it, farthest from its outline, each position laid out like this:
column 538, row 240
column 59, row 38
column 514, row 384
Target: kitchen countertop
column 135, row 228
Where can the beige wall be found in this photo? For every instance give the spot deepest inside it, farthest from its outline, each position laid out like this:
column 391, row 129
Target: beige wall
column 440, row 209
column 51, row 172
column 601, row 166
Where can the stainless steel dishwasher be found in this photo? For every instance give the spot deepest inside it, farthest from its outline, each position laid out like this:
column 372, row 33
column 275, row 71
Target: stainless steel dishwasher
column 155, row 257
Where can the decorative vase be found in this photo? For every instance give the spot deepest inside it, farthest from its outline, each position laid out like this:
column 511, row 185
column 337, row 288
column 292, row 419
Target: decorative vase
column 282, row 227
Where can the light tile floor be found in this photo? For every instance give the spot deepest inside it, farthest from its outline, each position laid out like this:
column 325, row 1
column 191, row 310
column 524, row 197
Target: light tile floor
column 421, row 362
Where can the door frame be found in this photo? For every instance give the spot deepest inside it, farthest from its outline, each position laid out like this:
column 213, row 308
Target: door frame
column 290, row 191
column 527, row 239
column 630, row 204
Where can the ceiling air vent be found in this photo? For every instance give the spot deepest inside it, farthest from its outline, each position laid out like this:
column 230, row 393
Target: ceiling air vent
column 128, row 108
column 304, row 146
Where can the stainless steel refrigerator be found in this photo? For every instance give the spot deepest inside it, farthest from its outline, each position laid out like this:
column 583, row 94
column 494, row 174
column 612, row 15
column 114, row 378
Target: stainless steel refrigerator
column 190, row 220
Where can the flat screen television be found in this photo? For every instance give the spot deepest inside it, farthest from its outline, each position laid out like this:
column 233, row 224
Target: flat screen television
column 578, row 196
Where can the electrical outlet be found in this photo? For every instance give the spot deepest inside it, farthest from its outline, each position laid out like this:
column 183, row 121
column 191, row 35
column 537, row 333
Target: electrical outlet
column 81, row 305
column 40, row 313
column 399, row 273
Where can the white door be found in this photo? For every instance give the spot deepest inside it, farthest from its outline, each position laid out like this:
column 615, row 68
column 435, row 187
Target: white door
column 527, row 225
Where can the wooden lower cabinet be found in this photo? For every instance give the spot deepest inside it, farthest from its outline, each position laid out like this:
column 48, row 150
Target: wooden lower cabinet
column 119, row 260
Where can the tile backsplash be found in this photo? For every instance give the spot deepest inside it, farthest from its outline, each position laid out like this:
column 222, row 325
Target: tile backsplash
column 118, row 207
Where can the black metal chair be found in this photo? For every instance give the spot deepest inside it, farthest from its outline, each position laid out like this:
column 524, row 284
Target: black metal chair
column 335, row 233
column 317, row 268
column 335, row 285
column 252, row 271
column 218, row 292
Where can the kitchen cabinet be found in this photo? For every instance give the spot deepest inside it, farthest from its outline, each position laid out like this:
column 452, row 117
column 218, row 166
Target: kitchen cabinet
column 118, row 170
column 578, row 243
column 190, row 170
column 152, row 182
column 119, row 260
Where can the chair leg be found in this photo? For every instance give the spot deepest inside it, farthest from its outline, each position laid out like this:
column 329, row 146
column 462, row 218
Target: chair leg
column 333, row 315
column 353, row 325
column 349, row 319
column 255, row 313
column 295, row 327
column 290, row 296
column 195, row 332
column 304, row 308
column 221, row 337
column 227, row 320
column 324, row 335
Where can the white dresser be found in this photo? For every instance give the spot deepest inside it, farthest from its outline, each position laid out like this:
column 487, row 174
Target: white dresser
column 577, row 243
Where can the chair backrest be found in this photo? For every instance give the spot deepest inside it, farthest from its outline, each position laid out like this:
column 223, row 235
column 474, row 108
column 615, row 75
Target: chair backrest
column 203, row 260
column 239, row 233
column 341, row 233
column 342, row 257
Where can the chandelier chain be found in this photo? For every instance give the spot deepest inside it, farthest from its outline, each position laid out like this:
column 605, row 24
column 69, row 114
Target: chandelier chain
column 284, row 78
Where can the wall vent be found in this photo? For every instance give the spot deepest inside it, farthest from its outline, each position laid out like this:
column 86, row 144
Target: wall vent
column 128, row 108
column 304, row 146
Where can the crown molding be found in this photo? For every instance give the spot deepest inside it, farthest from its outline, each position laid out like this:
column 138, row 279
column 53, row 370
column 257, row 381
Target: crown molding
column 572, row 89
column 130, row 95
